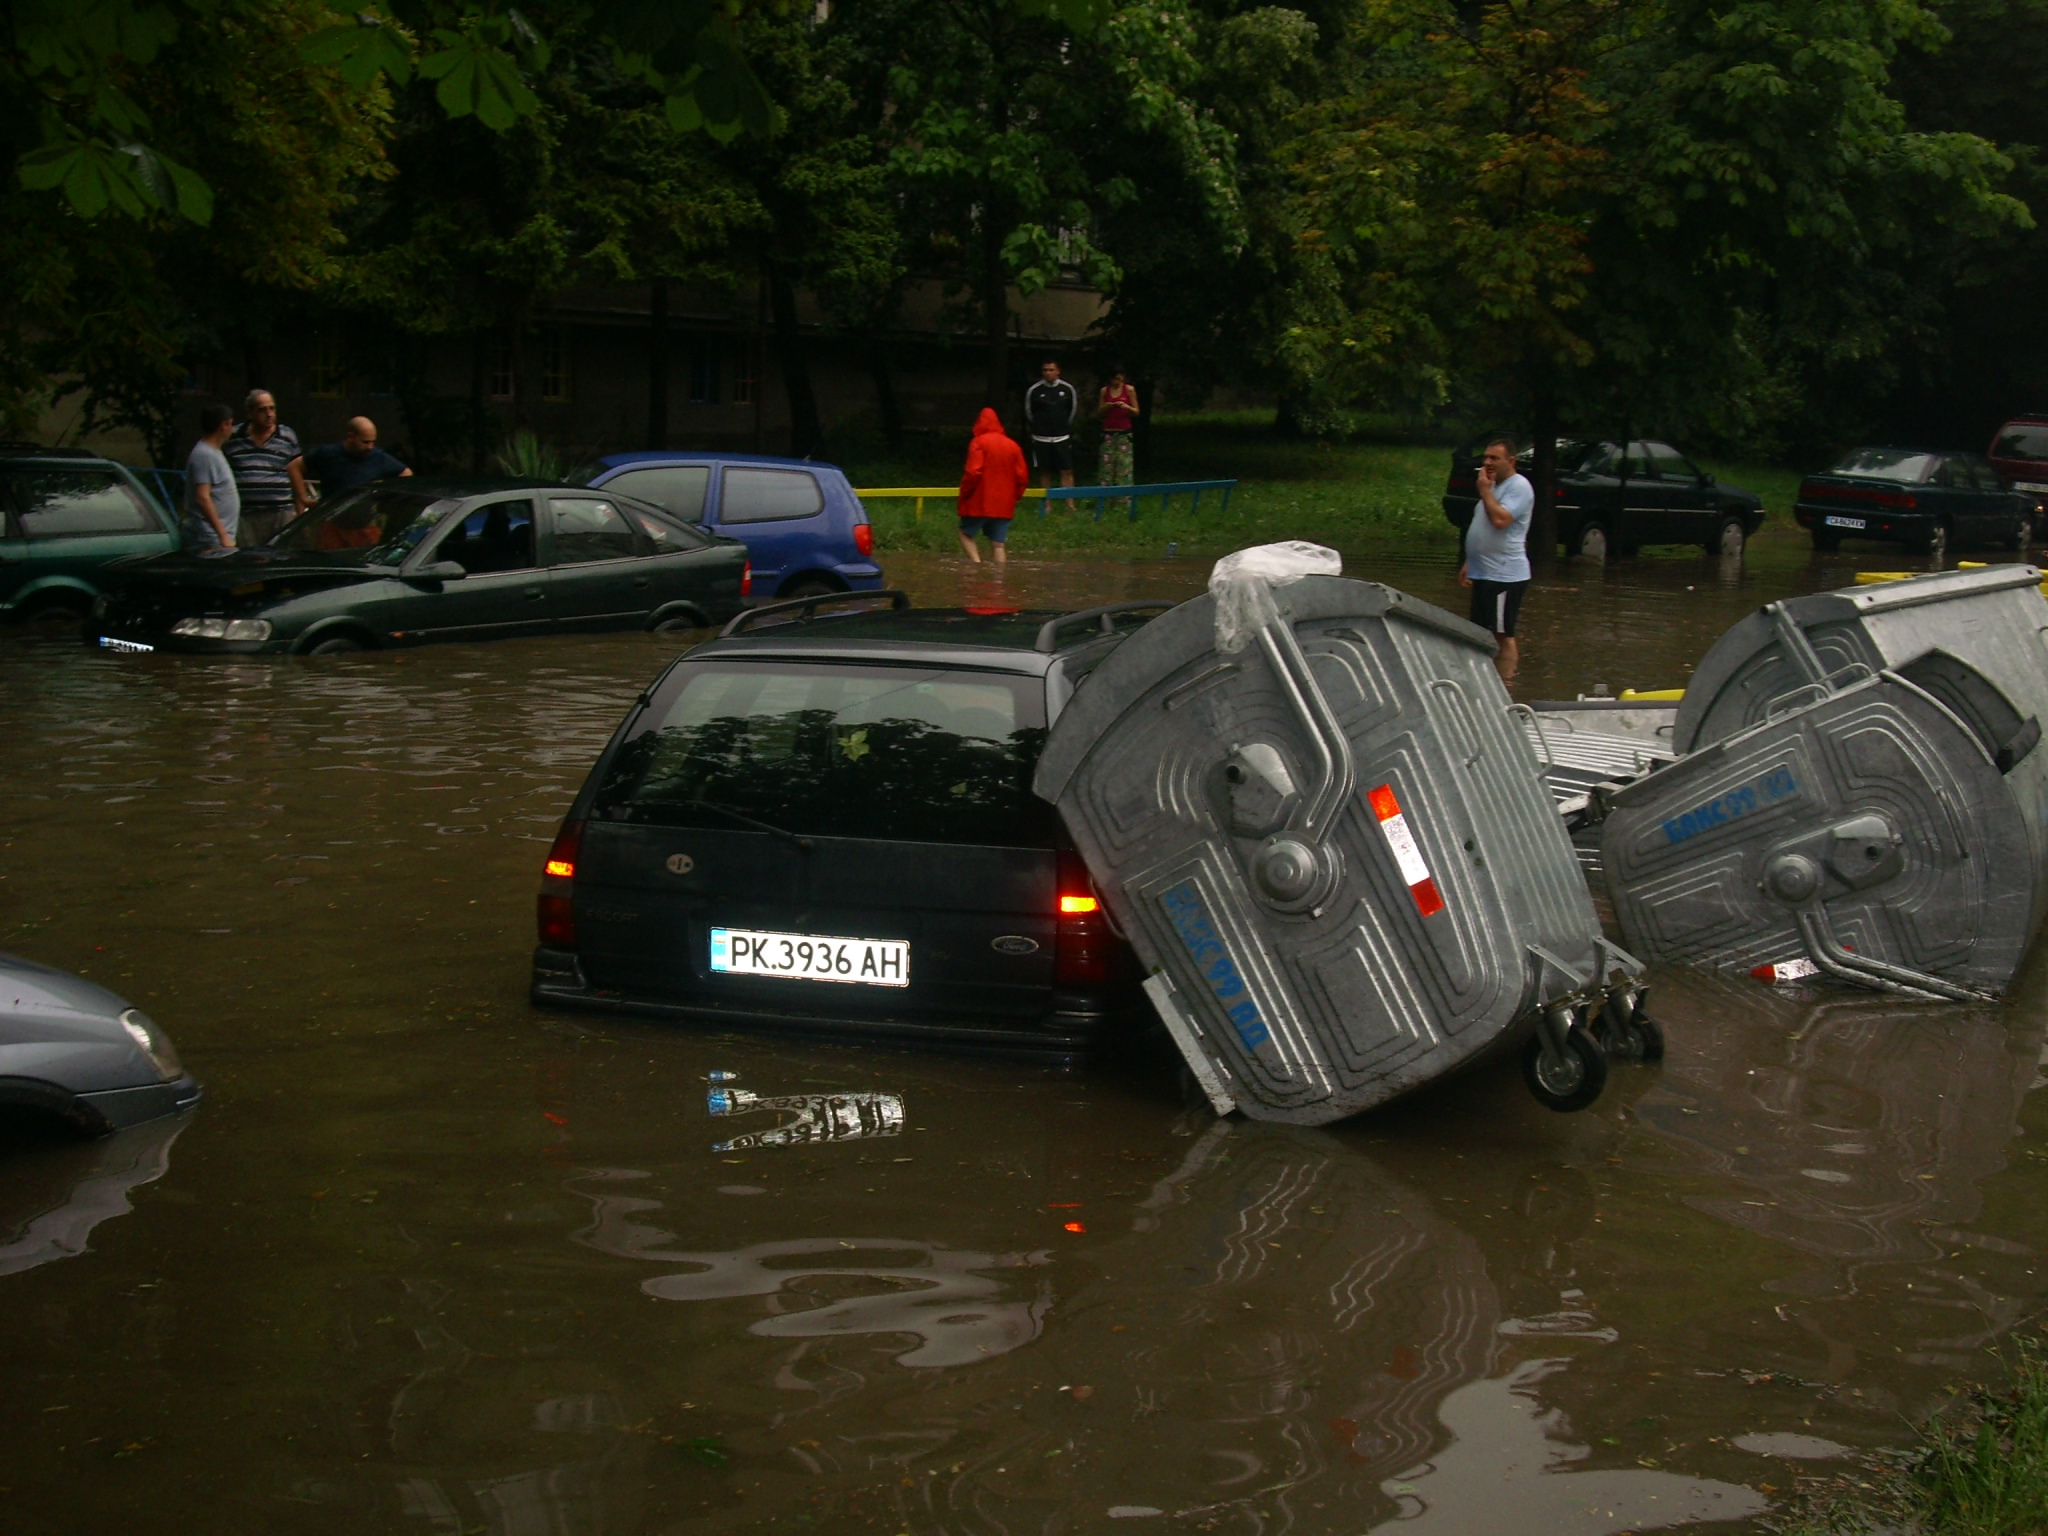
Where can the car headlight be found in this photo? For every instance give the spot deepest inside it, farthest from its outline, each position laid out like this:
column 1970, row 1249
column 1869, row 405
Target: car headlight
column 223, row 629
column 148, row 1035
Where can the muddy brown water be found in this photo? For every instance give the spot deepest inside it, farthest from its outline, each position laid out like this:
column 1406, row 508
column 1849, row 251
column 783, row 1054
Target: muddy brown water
column 429, row 1260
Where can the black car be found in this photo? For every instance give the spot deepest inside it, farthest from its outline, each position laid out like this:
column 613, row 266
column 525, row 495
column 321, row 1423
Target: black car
column 1613, row 500
column 1928, row 499
column 828, row 821
column 405, row 562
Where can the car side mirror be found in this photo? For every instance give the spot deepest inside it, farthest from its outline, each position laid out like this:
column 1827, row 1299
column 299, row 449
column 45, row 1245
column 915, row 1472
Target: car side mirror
column 441, row 570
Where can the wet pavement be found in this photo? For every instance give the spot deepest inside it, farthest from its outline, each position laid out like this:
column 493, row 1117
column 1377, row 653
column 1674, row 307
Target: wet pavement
column 428, row 1260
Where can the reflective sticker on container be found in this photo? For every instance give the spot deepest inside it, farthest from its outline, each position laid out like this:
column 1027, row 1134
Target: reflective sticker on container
column 1797, row 969
column 1407, row 855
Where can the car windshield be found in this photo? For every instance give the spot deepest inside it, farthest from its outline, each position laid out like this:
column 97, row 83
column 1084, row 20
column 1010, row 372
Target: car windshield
column 2022, row 440
column 384, row 520
column 1886, row 464
column 909, row 753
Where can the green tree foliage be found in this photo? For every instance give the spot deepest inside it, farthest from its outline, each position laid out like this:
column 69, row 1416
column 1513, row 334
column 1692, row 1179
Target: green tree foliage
column 1683, row 213
column 73, row 71
column 116, row 310
column 1012, row 136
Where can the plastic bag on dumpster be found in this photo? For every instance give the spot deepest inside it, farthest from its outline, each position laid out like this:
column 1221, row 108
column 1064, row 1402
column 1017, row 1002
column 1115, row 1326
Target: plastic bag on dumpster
column 1242, row 585
column 1335, row 851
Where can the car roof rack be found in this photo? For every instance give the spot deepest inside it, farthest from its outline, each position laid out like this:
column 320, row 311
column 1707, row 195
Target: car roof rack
column 1104, row 618
column 801, row 608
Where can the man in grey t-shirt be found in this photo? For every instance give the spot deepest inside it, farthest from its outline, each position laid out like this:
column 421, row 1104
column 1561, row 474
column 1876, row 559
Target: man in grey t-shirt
column 1496, row 564
column 213, row 507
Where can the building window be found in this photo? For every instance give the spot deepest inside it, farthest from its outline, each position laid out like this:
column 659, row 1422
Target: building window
column 330, row 366
column 746, row 377
column 704, row 374
column 554, row 366
column 501, row 371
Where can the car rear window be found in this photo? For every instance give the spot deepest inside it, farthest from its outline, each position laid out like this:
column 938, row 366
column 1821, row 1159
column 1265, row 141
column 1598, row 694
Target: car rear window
column 678, row 489
column 768, row 495
column 1886, row 464
column 908, row 753
column 74, row 503
column 2022, row 440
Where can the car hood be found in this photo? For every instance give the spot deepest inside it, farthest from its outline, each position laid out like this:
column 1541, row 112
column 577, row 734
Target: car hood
column 247, row 567
column 39, row 1002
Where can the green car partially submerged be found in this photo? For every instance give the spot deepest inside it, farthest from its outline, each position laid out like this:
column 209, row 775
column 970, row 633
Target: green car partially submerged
column 65, row 517
column 408, row 562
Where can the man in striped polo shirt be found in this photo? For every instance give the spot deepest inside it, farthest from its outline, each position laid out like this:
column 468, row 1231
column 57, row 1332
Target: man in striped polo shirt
column 265, row 458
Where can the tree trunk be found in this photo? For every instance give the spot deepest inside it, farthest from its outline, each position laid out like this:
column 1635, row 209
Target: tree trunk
column 1147, row 387
column 1543, row 520
column 806, row 432
column 522, row 382
column 885, row 394
column 479, row 361
column 995, row 311
column 657, row 363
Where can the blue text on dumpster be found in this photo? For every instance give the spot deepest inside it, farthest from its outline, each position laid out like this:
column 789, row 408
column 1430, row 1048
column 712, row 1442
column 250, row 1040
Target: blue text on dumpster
column 1192, row 922
column 1733, row 806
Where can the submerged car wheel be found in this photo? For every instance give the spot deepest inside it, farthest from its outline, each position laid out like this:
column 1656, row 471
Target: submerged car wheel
column 1568, row 1081
column 1729, row 542
column 337, row 645
column 676, row 623
column 1591, row 541
column 810, row 586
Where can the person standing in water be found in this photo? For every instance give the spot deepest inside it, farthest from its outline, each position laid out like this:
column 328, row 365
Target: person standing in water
column 990, row 487
column 1496, row 565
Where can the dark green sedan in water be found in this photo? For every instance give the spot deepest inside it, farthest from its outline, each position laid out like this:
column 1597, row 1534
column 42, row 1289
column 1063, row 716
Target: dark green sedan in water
column 412, row 561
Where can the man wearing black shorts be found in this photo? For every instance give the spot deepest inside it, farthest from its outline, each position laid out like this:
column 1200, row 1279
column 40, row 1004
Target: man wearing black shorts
column 1050, row 407
column 1496, row 565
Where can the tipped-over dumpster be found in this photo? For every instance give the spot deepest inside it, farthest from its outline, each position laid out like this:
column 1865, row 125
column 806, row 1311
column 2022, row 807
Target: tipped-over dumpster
column 1310, row 805
column 1861, row 788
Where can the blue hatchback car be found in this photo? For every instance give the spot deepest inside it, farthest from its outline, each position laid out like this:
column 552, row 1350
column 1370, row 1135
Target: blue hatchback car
column 806, row 532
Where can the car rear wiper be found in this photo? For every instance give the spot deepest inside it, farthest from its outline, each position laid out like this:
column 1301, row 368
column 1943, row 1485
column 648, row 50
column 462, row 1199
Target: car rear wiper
column 802, row 842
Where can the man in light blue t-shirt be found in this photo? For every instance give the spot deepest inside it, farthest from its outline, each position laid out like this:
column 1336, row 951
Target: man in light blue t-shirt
column 1496, row 565
column 213, row 506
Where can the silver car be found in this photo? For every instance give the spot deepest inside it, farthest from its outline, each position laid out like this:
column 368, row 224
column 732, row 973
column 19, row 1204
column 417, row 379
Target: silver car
column 72, row 1049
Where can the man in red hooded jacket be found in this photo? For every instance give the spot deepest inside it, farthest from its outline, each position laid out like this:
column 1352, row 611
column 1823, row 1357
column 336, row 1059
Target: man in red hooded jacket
column 989, row 490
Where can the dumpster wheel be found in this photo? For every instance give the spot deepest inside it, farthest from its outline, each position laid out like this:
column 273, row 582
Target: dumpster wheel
column 1627, row 1032
column 1567, row 1071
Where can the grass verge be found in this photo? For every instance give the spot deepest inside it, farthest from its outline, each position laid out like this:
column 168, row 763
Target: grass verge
column 1980, row 1468
column 1338, row 493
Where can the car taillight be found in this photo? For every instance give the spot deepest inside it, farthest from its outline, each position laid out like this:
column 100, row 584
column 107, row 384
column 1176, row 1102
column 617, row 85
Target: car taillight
column 1084, row 950
column 557, row 908
column 864, row 538
column 747, row 579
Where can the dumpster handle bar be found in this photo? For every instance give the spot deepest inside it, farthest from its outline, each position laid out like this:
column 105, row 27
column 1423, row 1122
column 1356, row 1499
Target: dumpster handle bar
column 1828, row 953
column 1337, row 775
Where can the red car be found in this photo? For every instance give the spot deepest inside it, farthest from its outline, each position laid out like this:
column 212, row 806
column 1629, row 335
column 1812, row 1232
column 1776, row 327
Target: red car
column 2019, row 452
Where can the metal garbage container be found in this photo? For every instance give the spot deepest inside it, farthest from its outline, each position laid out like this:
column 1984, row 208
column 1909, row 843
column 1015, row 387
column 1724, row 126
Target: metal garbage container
column 1336, row 853
column 1861, row 785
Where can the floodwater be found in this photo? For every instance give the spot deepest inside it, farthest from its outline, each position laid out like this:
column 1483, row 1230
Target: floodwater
column 427, row 1260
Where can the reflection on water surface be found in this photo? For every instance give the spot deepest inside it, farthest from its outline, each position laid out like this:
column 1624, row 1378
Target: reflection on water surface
column 429, row 1261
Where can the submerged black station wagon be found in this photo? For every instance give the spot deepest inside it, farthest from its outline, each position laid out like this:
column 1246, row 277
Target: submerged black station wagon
column 826, row 819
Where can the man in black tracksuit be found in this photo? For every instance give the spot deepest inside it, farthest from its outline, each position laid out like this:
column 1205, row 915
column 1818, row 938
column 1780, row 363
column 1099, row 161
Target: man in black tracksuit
column 1050, row 407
